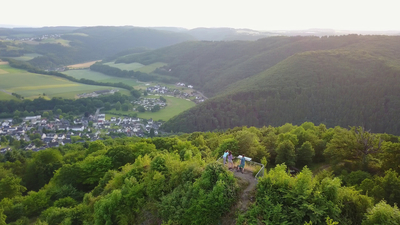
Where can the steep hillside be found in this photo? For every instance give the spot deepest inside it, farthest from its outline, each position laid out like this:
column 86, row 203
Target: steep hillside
column 213, row 66
column 335, row 87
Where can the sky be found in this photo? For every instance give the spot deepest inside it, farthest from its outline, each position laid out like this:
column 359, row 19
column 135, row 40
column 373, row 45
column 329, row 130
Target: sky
column 377, row 15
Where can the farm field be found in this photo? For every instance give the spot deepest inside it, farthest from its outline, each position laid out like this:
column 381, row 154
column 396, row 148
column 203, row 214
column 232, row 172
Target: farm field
column 151, row 67
column 26, row 57
column 174, row 107
column 137, row 66
column 124, row 66
column 82, row 65
column 31, row 85
column 5, row 96
column 92, row 75
column 56, row 41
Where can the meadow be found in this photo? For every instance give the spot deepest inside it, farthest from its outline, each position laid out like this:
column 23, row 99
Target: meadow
column 5, row 96
column 137, row 66
column 56, row 41
column 96, row 76
column 26, row 57
column 31, row 85
column 174, row 107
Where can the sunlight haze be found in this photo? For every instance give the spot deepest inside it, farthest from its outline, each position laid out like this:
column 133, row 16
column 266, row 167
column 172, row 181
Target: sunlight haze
column 259, row 15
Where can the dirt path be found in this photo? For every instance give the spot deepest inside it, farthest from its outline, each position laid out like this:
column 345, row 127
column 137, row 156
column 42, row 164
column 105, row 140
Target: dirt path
column 247, row 183
column 5, row 91
column 246, row 197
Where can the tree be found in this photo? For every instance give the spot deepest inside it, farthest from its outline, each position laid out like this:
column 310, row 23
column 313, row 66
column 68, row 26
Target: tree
column 156, row 108
column 16, row 113
column 40, row 170
column 286, row 153
column 382, row 213
column 141, row 108
column 135, row 93
column 38, row 142
column 117, row 105
column 45, row 114
column 391, row 156
column 305, row 154
column 163, row 99
column 125, row 106
column 107, row 106
column 151, row 134
column 58, row 111
column 95, row 146
column 10, row 187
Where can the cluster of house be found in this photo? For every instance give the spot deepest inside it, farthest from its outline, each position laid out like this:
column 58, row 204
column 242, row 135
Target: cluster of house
column 49, row 132
column 38, row 38
column 162, row 90
column 149, row 103
column 129, row 126
column 60, row 131
column 184, row 85
column 97, row 93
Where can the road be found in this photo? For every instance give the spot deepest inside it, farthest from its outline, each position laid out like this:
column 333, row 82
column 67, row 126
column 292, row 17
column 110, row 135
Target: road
column 96, row 115
column 5, row 91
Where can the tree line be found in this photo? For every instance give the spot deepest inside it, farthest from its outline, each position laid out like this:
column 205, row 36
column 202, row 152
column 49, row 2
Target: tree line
column 27, row 107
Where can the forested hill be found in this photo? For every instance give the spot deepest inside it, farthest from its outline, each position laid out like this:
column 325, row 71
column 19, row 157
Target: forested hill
column 213, row 66
column 92, row 43
column 350, row 80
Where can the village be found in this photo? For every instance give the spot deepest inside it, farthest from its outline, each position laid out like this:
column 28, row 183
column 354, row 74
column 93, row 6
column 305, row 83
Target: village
column 194, row 95
column 40, row 133
column 37, row 38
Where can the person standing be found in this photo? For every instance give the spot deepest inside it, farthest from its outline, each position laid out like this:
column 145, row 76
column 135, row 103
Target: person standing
column 242, row 163
column 230, row 160
column 225, row 155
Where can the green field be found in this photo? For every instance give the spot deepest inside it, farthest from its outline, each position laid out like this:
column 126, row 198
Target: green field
column 56, row 41
column 26, row 57
column 137, row 66
column 92, row 75
column 151, row 67
column 5, row 96
column 174, row 107
column 124, row 66
column 31, row 85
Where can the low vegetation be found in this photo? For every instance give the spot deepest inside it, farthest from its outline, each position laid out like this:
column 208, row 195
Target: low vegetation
column 175, row 180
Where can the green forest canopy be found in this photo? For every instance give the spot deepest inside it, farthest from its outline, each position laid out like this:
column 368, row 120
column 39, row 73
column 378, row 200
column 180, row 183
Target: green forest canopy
column 345, row 80
column 175, row 180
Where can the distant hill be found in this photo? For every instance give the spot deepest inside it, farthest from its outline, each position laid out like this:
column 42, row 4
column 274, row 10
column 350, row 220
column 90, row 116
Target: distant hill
column 91, row 43
column 347, row 80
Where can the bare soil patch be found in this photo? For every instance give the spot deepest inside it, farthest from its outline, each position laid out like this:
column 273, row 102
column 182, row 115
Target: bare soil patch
column 83, row 65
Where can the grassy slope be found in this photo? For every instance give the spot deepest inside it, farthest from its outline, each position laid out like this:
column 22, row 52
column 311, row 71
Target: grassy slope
column 5, row 96
column 92, row 75
column 174, row 107
column 124, row 66
column 137, row 66
column 32, row 85
column 26, row 57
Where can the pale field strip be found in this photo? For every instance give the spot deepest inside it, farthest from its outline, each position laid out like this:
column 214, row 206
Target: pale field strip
column 83, row 65
column 3, row 71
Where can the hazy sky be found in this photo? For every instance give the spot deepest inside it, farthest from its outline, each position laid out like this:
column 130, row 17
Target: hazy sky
column 254, row 14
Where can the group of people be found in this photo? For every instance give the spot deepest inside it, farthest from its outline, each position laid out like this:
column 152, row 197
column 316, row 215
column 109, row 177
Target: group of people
column 228, row 154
